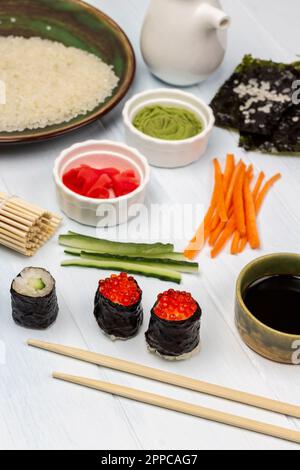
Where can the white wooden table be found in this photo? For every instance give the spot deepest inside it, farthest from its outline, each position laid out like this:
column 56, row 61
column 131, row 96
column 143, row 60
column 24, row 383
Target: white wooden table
column 38, row 413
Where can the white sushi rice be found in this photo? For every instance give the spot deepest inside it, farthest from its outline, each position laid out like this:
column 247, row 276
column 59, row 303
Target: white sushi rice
column 117, row 338
column 21, row 284
column 47, row 83
column 183, row 357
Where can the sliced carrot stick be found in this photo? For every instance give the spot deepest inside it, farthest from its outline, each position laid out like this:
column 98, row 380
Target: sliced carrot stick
column 214, row 234
column 243, row 244
column 238, row 202
column 258, row 184
column 229, row 169
column 235, row 176
column 250, row 172
column 250, row 214
column 220, row 185
column 226, row 182
column 261, row 196
column 229, row 187
column 229, row 194
column 215, row 222
column 225, row 236
column 232, row 198
column 235, row 243
column 197, row 242
column 261, row 177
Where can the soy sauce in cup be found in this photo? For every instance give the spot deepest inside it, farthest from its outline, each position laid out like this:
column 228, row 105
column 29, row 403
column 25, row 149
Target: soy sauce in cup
column 275, row 302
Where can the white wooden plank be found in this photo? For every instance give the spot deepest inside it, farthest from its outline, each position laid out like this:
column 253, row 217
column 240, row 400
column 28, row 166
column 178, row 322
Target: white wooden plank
column 280, row 19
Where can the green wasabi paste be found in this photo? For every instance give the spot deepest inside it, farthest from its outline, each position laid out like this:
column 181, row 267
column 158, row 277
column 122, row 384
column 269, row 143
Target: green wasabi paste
column 168, row 123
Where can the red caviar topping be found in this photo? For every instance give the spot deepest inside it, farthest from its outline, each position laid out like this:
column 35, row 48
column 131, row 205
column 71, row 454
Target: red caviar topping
column 175, row 306
column 120, row 289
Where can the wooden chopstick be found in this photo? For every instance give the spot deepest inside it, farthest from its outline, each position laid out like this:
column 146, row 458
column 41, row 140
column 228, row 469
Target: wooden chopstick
column 184, row 407
column 170, row 378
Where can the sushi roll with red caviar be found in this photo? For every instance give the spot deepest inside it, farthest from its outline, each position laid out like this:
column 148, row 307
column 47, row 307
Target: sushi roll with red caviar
column 118, row 308
column 174, row 329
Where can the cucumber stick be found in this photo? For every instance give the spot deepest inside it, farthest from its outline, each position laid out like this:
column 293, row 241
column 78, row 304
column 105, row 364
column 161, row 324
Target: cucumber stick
column 133, row 268
column 74, row 240
column 180, row 266
column 75, row 251
column 170, row 256
column 174, row 256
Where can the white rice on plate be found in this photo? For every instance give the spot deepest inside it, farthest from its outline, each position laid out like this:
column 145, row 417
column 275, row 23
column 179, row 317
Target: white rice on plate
column 48, row 83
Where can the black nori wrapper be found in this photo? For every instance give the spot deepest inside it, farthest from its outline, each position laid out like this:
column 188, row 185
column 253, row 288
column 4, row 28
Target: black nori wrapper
column 34, row 312
column 284, row 139
column 227, row 104
column 174, row 338
column 117, row 320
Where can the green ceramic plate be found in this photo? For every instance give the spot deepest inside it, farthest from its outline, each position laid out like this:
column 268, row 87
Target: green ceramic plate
column 73, row 23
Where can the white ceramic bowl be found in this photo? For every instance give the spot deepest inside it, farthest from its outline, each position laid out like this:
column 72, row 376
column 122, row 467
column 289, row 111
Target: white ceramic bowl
column 100, row 154
column 166, row 153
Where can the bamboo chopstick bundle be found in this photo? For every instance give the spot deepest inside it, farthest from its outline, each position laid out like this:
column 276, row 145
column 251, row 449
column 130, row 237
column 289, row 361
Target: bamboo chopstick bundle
column 25, row 227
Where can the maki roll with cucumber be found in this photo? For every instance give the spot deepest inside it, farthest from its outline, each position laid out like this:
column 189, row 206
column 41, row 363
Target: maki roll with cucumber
column 33, row 299
column 174, row 328
column 118, row 308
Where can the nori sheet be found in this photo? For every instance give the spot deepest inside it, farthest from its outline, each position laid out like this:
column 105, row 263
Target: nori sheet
column 34, row 312
column 117, row 320
column 227, row 104
column 285, row 138
column 174, row 338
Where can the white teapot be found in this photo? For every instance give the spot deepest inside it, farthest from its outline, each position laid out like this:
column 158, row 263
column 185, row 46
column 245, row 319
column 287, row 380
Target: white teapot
column 184, row 41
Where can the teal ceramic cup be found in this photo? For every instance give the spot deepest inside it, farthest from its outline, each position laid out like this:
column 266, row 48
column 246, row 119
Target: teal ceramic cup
column 269, row 343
